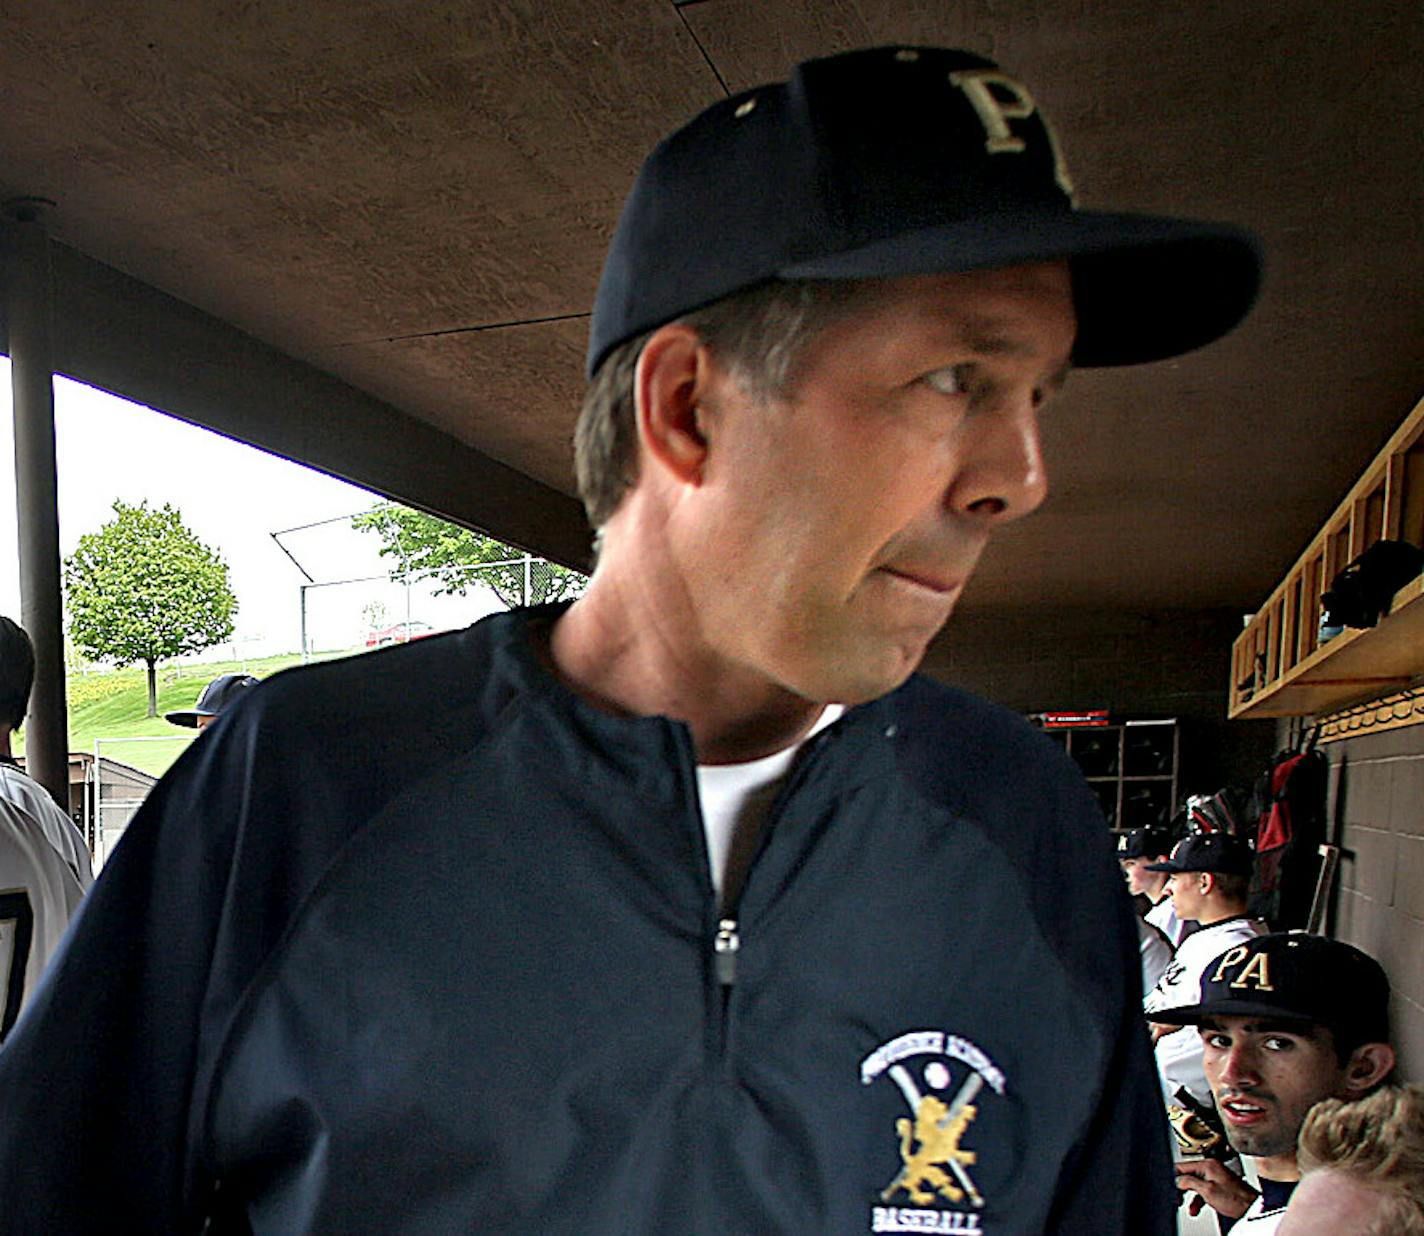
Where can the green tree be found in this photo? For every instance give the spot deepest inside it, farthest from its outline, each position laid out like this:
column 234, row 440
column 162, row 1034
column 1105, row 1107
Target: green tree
column 425, row 547
column 144, row 588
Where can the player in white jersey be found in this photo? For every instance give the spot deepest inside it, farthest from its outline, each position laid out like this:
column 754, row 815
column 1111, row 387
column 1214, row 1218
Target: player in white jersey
column 44, row 864
column 1208, row 877
column 38, row 896
column 17, row 676
column 62, row 833
column 1285, row 1021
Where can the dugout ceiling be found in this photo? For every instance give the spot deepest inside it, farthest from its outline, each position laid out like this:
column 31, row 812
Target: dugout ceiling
column 366, row 234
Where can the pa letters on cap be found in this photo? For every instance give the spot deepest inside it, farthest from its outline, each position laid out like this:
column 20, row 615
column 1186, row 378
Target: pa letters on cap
column 1254, row 976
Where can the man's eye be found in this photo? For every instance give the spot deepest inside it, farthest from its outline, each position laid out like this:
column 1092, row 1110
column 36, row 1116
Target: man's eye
column 1277, row 1043
column 1218, row 1042
column 952, row 380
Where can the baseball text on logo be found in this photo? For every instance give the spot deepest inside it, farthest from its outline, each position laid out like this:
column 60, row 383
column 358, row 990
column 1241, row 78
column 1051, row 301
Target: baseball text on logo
column 898, row 1219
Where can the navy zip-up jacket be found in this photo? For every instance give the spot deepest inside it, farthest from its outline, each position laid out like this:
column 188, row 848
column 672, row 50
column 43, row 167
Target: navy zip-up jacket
column 421, row 942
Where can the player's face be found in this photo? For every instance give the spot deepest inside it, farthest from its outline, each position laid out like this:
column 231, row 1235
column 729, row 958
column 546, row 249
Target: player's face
column 1185, row 890
column 1328, row 1203
column 1266, row 1076
column 839, row 526
column 1140, row 881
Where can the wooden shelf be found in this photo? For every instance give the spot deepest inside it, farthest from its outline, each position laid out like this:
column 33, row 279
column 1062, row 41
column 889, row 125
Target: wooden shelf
column 1279, row 668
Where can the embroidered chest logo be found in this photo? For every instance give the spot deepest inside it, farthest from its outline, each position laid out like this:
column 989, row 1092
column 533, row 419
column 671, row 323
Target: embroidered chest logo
column 942, row 1079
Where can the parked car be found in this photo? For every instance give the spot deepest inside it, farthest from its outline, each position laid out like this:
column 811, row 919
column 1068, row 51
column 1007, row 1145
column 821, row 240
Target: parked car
column 400, row 633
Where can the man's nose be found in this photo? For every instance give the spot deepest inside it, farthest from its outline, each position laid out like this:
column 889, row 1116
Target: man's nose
column 1237, row 1067
column 1001, row 474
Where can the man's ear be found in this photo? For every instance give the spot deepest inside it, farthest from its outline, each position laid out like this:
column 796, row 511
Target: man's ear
column 668, row 383
column 1369, row 1065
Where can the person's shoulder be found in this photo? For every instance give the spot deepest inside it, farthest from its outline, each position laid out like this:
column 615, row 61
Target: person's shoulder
column 28, row 857
column 407, row 688
column 986, row 763
column 955, row 722
column 1207, row 943
column 18, row 787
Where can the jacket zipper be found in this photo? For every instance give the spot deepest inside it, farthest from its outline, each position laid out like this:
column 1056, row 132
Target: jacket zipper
column 725, row 947
column 727, row 940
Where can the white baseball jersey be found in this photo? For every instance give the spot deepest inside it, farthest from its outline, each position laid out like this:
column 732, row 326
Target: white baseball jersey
column 1179, row 1054
column 38, row 896
column 1163, row 916
column 24, row 791
column 1259, row 1221
column 1156, row 954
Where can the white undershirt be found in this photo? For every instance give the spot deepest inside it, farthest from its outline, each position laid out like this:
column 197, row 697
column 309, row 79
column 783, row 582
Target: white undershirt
column 736, row 799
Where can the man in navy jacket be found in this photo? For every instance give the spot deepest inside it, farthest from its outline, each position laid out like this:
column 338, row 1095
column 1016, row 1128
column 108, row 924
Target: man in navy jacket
column 685, row 908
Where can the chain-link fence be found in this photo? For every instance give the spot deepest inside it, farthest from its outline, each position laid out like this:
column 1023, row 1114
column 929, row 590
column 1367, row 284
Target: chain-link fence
column 348, row 603
column 114, row 790
column 368, row 612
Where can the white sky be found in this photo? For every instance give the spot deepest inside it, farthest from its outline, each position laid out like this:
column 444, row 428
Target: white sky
column 233, row 497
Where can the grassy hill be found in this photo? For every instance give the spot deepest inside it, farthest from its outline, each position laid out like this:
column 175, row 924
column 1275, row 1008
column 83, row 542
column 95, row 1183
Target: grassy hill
column 113, row 705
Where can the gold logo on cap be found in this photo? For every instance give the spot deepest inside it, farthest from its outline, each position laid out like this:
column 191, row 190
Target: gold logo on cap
column 995, row 113
column 1230, row 958
column 1256, row 974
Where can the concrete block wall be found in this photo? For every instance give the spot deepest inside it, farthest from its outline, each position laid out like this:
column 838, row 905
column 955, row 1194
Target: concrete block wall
column 1376, row 810
column 1160, row 663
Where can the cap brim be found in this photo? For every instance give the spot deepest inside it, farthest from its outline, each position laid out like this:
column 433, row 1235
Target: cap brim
column 1145, row 287
column 187, row 716
column 1195, row 1014
column 1171, row 868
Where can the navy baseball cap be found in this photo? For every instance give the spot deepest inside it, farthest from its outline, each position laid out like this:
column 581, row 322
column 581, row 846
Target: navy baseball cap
column 217, row 695
column 1144, row 843
column 1291, row 976
column 1217, row 852
column 904, row 161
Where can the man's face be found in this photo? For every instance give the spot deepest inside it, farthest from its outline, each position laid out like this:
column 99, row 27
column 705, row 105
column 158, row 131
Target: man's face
column 1140, row 881
column 836, row 528
column 1185, row 890
column 1266, row 1076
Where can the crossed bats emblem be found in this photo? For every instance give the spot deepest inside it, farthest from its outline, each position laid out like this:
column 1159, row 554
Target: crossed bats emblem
column 937, row 1129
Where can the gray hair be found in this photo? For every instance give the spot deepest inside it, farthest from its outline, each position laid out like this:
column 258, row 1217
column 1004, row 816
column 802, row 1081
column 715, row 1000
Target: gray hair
column 760, row 333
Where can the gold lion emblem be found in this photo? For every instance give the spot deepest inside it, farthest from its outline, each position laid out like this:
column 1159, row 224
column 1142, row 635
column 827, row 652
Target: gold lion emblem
column 928, row 1147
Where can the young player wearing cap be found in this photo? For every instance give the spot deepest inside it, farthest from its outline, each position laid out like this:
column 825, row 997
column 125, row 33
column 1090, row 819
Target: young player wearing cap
column 1285, row 1021
column 1136, row 851
column 455, row 951
column 1208, row 876
column 1361, row 1167
column 224, row 691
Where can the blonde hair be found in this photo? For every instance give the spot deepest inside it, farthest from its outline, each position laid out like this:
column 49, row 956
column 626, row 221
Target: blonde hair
column 1378, row 1141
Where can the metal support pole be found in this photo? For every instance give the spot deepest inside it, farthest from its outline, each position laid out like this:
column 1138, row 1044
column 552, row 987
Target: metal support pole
column 306, row 658
column 37, row 492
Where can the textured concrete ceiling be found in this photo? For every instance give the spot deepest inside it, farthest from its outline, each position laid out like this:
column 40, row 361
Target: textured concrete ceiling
column 412, row 200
